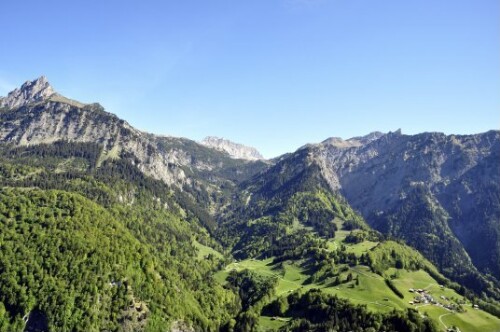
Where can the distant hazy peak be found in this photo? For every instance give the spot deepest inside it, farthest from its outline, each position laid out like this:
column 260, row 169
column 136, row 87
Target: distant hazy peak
column 354, row 141
column 235, row 150
column 339, row 142
column 373, row 136
column 30, row 92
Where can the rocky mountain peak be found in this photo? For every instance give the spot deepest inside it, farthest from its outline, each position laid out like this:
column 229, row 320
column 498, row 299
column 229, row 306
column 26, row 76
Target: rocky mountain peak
column 30, row 92
column 235, row 150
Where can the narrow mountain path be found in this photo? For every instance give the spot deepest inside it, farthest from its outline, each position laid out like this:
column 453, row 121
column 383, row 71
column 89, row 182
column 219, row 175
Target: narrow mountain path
column 383, row 305
column 372, row 302
column 429, row 286
column 356, row 269
column 423, row 305
column 441, row 320
column 281, row 279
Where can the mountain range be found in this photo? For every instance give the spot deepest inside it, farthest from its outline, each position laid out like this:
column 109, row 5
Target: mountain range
column 439, row 194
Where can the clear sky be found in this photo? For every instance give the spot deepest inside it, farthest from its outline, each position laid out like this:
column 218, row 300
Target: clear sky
column 274, row 74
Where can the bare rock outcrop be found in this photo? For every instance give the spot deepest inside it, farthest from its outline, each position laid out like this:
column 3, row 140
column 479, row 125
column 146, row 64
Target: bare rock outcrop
column 30, row 92
column 235, row 150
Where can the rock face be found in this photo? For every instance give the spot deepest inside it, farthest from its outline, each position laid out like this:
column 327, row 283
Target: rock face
column 30, row 92
column 456, row 179
column 235, row 150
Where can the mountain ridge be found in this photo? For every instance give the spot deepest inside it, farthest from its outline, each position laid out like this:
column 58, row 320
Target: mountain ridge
column 371, row 171
column 438, row 193
column 48, row 119
column 378, row 178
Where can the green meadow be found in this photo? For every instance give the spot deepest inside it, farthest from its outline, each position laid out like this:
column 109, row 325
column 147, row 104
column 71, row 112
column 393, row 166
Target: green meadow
column 367, row 288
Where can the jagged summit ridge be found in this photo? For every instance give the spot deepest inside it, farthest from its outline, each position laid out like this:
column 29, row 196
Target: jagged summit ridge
column 235, row 150
column 30, row 92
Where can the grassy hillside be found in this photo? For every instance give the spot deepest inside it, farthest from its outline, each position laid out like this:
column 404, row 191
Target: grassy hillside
column 365, row 284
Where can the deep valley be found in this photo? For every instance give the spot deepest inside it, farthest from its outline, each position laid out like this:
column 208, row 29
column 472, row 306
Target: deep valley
column 104, row 227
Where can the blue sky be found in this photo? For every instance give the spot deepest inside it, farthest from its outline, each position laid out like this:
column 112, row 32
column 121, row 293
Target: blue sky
column 271, row 74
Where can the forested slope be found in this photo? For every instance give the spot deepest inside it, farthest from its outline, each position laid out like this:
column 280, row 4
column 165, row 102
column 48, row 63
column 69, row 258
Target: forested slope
column 96, row 248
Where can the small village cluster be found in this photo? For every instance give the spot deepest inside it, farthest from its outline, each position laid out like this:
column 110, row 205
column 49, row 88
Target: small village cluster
column 424, row 297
